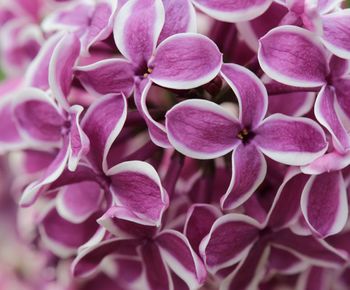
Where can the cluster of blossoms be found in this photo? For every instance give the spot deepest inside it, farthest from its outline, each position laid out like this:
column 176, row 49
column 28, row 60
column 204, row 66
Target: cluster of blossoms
column 175, row 144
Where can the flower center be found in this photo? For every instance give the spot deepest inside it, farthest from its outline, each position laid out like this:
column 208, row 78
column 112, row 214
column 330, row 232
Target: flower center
column 245, row 135
column 148, row 72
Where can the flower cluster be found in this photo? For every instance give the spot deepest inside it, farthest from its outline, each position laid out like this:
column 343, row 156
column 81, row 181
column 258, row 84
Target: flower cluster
column 175, row 144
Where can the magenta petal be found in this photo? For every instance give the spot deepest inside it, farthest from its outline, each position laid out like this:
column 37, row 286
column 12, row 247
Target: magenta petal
column 200, row 218
column 336, row 35
column 180, row 16
column 238, row 231
column 201, row 129
column 61, row 66
column 63, row 237
column 285, row 262
column 88, row 260
column 107, row 76
column 184, row 61
column 250, row 92
column 342, row 86
column 77, row 202
column 315, row 278
column 79, row 142
column 152, row 259
column 37, row 116
column 233, row 10
column 282, row 138
column 248, row 172
column 293, row 56
column 136, row 186
column 324, row 203
column 180, row 257
column 51, row 174
column 102, row 123
column 137, row 28
column 327, row 113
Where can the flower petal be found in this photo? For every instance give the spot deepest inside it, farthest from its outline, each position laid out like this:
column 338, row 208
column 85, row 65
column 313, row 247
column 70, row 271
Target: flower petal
column 281, row 137
column 77, row 202
column 248, row 172
column 239, row 233
column 184, row 61
column 136, row 186
column 61, row 66
column 137, row 28
column 328, row 114
column 180, row 16
column 107, row 76
column 89, row 259
column 250, row 92
column 324, row 203
column 102, row 123
column 233, row 10
column 180, row 257
column 201, row 129
column 293, row 56
column 336, row 36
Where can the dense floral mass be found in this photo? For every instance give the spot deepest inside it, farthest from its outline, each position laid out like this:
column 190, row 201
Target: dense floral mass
column 174, row 145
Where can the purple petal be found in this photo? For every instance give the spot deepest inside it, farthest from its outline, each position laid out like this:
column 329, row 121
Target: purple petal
column 342, row 86
column 180, row 16
column 200, row 218
column 250, row 92
column 156, row 129
column 285, row 262
column 315, row 278
column 79, row 201
column 61, row 66
column 282, row 138
column 106, row 77
column 63, row 237
column 336, row 35
column 180, row 257
column 79, row 142
column 248, row 172
column 184, row 61
column 51, row 174
column 293, row 56
column 201, row 129
column 339, row 67
column 137, row 28
column 37, row 116
column 88, row 260
column 136, row 186
column 152, row 259
column 37, row 74
column 124, row 223
column 324, row 203
column 286, row 205
column 239, row 233
column 102, row 123
column 233, row 10
column 327, row 113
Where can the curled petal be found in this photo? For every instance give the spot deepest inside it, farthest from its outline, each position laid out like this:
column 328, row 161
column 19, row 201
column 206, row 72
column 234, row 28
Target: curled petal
column 201, row 129
column 136, row 186
column 77, row 202
column 250, row 92
column 248, row 172
column 102, row 124
column 89, row 259
column 282, row 138
column 293, row 56
column 239, row 233
column 324, row 203
column 180, row 257
column 328, row 113
column 137, row 28
column 180, row 16
column 61, row 66
column 336, row 35
column 107, row 76
column 185, row 61
column 233, row 10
